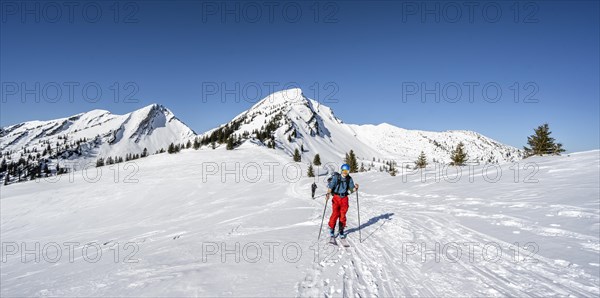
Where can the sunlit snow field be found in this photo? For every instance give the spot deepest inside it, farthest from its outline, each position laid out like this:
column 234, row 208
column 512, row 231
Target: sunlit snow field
column 173, row 225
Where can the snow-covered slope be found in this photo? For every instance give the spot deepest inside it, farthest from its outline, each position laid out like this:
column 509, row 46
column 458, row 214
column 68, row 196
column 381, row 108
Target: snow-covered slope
column 301, row 122
column 406, row 145
column 97, row 133
column 191, row 225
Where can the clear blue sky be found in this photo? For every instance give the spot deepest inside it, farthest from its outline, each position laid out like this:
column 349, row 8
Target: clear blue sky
column 368, row 49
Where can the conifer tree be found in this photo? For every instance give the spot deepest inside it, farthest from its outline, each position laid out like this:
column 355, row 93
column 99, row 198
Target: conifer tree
column 351, row 161
column 311, row 172
column 297, row 156
column 392, row 170
column 230, row 143
column 317, row 160
column 421, row 161
column 541, row 143
column 459, row 156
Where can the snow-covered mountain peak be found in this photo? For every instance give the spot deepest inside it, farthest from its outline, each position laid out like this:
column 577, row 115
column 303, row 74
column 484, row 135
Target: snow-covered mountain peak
column 94, row 134
column 291, row 96
column 93, row 113
column 288, row 120
column 155, row 106
column 153, row 111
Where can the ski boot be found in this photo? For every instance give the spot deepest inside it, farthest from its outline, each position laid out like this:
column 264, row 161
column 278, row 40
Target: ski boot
column 342, row 234
column 331, row 233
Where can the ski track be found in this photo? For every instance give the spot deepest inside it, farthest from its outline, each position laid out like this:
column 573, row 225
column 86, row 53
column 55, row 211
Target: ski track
column 377, row 268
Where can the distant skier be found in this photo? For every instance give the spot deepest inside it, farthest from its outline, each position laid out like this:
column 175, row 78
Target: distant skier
column 340, row 186
column 313, row 188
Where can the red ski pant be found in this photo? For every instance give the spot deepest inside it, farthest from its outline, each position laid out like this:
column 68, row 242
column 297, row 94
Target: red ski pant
column 340, row 207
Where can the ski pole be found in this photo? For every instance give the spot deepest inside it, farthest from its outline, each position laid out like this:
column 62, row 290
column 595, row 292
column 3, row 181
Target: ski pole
column 358, row 209
column 322, row 218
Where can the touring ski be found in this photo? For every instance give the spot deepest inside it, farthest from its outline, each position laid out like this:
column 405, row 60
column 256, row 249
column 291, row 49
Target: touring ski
column 332, row 241
column 344, row 242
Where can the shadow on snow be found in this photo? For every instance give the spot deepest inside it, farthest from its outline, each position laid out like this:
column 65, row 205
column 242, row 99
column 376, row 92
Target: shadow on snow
column 372, row 221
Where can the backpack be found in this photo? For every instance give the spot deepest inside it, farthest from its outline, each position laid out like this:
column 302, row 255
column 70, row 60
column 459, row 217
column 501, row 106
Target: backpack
column 338, row 176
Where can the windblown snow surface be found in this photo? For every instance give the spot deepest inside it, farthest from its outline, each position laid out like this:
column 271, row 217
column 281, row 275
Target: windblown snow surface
column 181, row 225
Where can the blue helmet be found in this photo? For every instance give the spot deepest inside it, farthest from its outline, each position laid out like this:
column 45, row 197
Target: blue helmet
column 345, row 167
